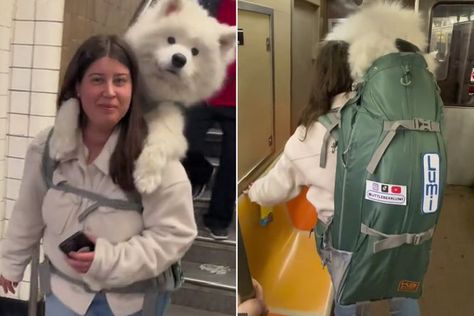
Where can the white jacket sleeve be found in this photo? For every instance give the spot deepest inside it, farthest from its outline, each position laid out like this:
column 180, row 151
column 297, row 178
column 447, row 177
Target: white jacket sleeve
column 282, row 183
column 169, row 231
column 26, row 225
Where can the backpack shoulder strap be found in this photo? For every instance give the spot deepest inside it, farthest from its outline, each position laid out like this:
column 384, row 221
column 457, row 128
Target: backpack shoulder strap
column 48, row 167
column 330, row 121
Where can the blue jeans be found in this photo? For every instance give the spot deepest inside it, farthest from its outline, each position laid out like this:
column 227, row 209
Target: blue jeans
column 98, row 307
column 399, row 306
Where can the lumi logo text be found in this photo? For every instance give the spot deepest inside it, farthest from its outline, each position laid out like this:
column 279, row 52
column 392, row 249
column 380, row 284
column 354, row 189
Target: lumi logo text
column 430, row 183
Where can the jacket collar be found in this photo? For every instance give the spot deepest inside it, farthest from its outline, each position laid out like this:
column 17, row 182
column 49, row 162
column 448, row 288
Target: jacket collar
column 102, row 161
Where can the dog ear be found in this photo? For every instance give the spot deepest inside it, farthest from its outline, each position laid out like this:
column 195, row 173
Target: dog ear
column 227, row 40
column 168, row 7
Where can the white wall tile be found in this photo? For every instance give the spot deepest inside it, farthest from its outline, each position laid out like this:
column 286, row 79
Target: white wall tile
column 24, row 289
column 48, row 33
column 17, row 146
column 19, row 102
column 21, row 79
column 47, row 57
column 6, row 12
column 3, row 84
column 9, row 208
column 39, row 123
column 18, row 125
column 23, row 33
column 25, row 10
column 3, row 164
column 5, row 35
column 4, row 100
column 45, row 80
column 13, row 188
column 2, row 189
column 51, row 10
column 2, row 210
column 3, row 147
column 4, row 61
column 22, row 55
column 15, row 168
column 43, row 104
column 3, row 128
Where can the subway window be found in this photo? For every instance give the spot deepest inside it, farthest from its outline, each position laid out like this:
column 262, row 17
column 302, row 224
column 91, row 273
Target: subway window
column 452, row 45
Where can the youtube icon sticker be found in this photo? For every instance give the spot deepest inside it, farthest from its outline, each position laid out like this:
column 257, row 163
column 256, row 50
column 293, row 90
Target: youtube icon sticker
column 396, row 189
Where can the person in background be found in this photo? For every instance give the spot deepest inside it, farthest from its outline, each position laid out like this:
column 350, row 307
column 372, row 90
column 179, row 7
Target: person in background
column 298, row 165
column 135, row 243
column 200, row 118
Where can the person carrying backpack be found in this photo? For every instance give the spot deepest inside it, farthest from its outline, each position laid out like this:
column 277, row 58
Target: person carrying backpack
column 127, row 259
column 374, row 160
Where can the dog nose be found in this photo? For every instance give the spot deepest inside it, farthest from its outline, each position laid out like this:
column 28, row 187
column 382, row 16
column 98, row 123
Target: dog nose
column 178, row 60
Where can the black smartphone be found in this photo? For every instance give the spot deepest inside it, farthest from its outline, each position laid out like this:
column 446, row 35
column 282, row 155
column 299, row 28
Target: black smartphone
column 78, row 243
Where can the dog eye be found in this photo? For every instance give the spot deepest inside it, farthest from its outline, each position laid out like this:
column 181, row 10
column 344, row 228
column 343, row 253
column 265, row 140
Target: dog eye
column 194, row 51
column 171, row 40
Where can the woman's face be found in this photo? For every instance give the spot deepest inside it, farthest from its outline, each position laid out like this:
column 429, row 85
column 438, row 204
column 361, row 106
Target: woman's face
column 105, row 93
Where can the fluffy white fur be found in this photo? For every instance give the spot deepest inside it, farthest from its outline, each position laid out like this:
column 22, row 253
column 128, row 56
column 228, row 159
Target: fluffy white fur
column 201, row 76
column 371, row 33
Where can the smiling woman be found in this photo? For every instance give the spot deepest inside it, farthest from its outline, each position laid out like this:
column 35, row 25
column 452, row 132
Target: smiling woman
column 89, row 193
column 105, row 93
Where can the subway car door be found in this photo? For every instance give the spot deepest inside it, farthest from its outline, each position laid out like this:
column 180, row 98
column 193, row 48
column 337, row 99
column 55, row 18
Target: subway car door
column 256, row 102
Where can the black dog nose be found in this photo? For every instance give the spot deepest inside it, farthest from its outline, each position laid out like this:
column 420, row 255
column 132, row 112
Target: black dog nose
column 178, row 60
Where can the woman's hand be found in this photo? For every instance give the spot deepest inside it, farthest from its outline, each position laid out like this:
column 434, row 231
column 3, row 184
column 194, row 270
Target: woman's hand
column 8, row 286
column 81, row 261
column 246, row 191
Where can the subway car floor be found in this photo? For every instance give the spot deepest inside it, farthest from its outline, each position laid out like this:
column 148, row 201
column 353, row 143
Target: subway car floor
column 449, row 283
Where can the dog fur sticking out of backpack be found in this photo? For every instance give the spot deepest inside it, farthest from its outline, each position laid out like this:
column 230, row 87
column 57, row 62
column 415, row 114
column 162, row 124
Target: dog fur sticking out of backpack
column 183, row 54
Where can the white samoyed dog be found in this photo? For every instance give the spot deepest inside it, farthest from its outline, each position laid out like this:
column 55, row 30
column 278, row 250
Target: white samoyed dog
column 183, row 54
column 372, row 30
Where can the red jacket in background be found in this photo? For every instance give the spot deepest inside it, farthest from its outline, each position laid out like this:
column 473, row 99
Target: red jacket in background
column 226, row 96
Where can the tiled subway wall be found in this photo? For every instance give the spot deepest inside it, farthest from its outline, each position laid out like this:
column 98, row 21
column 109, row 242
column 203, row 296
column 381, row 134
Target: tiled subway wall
column 37, row 40
column 34, row 52
column 87, row 17
column 6, row 33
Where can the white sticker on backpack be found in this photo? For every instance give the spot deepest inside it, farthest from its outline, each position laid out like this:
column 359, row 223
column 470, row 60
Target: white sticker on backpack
column 386, row 193
column 430, row 183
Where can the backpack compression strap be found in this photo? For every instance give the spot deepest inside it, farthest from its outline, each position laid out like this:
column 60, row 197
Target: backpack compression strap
column 48, row 167
column 416, row 124
column 393, row 241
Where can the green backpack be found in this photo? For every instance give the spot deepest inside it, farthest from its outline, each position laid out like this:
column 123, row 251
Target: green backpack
column 390, row 179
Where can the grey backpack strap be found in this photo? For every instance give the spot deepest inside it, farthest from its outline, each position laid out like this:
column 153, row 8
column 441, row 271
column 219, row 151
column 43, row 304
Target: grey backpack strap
column 330, row 121
column 391, row 127
column 392, row 241
column 48, row 167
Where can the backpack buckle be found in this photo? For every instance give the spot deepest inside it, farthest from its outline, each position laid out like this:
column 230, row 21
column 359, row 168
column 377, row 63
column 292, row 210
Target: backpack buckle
column 423, row 125
column 416, row 239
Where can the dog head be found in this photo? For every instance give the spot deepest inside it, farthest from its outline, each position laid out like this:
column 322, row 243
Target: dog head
column 372, row 31
column 182, row 51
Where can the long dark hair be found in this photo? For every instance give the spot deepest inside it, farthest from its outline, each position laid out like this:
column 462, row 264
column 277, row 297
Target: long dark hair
column 133, row 126
column 331, row 76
